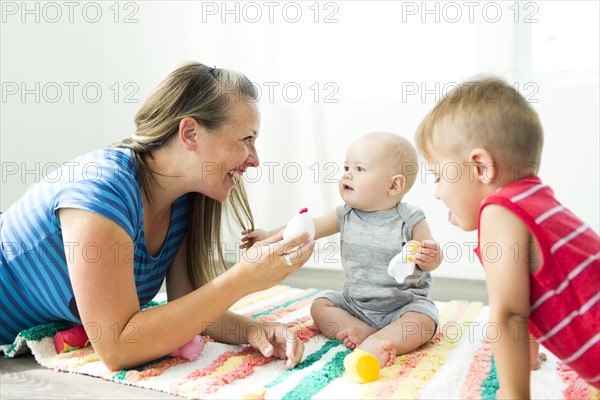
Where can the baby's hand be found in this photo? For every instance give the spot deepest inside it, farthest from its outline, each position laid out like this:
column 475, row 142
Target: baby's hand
column 429, row 255
column 252, row 236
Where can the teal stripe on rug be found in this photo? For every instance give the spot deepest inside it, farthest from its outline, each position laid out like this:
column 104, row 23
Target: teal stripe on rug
column 40, row 332
column 36, row 334
column 490, row 386
column 310, row 360
column 317, row 380
column 152, row 304
column 286, row 304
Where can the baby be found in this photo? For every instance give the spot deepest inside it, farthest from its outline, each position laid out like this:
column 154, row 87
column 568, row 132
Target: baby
column 374, row 312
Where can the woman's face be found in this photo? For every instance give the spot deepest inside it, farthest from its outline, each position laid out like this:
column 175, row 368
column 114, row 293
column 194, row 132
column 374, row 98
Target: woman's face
column 229, row 150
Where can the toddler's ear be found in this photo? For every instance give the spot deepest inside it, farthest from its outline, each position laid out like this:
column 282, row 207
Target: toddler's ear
column 397, row 185
column 485, row 168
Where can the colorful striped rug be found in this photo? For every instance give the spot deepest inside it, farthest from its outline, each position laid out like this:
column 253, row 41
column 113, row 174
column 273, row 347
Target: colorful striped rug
column 457, row 363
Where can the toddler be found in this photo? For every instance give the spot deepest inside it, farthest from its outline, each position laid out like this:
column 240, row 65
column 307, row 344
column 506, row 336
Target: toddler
column 540, row 260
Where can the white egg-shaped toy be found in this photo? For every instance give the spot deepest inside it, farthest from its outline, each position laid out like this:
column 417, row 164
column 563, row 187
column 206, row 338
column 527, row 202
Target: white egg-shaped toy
column 299, row 223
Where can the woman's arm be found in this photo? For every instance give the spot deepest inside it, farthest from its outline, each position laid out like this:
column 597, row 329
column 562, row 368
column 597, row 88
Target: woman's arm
column 269, row 338
column 429, row 256
column 177, row 281
column 104, row 288
column 507, row 277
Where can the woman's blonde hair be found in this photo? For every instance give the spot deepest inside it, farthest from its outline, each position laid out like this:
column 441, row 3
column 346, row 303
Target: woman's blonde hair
column 486, row 113
column 206, row 94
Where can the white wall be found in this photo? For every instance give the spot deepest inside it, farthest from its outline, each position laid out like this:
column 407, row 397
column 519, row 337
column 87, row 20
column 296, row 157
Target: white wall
column 366, row 58
column 51, row 109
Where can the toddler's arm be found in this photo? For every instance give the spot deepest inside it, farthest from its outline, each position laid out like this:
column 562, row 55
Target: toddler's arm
column 507, row 277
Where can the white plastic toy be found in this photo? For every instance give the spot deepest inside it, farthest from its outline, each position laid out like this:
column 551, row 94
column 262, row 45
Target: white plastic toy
column 403, row 264
column 299, row 223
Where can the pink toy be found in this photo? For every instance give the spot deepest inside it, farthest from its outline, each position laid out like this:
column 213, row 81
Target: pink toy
column 70, row 339
column 191, row 350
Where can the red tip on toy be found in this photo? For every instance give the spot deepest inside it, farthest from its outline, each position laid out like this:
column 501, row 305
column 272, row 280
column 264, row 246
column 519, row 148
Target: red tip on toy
column 303, row 210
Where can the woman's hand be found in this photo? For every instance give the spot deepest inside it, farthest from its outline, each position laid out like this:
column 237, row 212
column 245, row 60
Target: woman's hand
column 252, row 236
column 275, row 339
column 268, row 262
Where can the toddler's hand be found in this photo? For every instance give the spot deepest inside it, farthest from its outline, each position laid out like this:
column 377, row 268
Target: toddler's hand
column 429, row 255
column 252, row 236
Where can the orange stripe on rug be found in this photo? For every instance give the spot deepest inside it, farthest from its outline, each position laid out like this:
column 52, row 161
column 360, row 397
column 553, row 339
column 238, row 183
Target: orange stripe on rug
column 200, row 384
column 154, row 369
column 281, row 302
column 276, row 314
column 305, row 328
column 259, row 296
column 300, row 323
column 436, row 356
column 74, row 353
column 73, row 359
column 231, row 366
column 576, row 387
column 479, row 370
column 219, row 363
column 390, row 377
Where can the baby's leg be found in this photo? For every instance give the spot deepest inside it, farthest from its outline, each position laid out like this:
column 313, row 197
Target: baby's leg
column 336, row 323
column 536, row 358
column 406, row 334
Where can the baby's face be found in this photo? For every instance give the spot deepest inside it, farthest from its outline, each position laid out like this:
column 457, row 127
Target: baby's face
column 367, row 176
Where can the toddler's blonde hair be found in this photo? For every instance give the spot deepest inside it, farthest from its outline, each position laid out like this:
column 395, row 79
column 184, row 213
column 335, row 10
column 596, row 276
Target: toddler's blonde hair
column 484, row 113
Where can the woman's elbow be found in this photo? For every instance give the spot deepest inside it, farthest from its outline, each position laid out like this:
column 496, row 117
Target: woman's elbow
column 112, row 360
column 117, row 359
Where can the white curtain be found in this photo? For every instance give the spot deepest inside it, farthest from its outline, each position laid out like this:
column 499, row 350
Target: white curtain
column 328, row 72
column 382, row 66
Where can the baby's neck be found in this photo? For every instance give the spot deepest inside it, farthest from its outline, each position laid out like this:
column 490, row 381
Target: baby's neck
column 382, row 207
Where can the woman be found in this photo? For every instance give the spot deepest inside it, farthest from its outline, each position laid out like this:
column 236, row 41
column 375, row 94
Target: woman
column 93, row 242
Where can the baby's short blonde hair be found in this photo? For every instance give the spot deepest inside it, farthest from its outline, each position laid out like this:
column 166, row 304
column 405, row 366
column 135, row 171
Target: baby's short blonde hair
column 484, row 113
column 400, row 154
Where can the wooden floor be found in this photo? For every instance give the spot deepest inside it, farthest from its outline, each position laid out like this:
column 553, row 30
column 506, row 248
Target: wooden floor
column 23, row 378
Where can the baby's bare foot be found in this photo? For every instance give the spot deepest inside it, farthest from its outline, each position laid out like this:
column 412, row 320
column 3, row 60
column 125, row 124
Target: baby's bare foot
column 382, row 349
column 351, row 337
column 536, row 364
